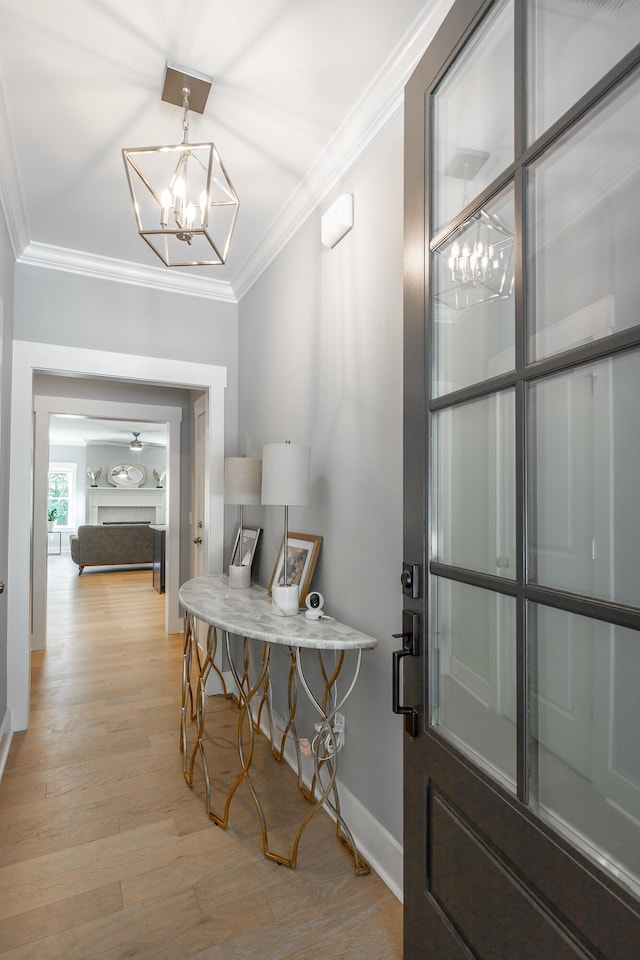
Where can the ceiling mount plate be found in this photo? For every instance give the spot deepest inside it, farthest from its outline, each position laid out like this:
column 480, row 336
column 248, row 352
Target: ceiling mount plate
column 466, row 163
column 176, row 78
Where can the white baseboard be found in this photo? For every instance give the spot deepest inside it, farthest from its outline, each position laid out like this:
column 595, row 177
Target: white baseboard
column 6, row 736
column 378, row 847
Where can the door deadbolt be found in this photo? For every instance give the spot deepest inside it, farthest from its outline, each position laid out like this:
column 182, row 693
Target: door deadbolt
column 410, row 580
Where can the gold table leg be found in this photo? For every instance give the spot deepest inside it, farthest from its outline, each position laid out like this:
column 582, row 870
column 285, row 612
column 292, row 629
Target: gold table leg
column 325, row 754
column 323, row 792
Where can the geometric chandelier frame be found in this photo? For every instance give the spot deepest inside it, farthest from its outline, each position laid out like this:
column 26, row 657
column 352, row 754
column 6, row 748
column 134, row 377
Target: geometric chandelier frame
column 184, row 202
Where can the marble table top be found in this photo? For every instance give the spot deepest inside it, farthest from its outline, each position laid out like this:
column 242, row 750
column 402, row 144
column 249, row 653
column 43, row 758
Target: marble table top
column 247, row 613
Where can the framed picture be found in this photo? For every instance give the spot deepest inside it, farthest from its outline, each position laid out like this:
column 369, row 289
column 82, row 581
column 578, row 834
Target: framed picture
column 303, row 550
column 243, row 553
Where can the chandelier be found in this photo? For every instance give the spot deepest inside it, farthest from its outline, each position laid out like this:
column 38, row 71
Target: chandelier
column 184, row 202
column 476, row 263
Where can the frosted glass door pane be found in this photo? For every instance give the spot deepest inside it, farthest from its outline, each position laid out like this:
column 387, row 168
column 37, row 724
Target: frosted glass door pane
column 475, row 485
column 475, row 631
column 473, row 117
column 586, row 731
column 584, row 212
column 573, row 43
column 584, row 520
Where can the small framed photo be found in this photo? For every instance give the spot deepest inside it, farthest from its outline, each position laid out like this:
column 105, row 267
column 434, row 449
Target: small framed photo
column 302, row 550
column 242, row 553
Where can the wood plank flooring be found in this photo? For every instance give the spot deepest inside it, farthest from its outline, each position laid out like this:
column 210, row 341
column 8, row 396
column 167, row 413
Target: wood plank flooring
column 106, row 854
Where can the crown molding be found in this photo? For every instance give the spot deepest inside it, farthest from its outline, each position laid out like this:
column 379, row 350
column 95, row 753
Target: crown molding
column 378, row 104
column 123, row 271
column 10, row 186
column 375, row 108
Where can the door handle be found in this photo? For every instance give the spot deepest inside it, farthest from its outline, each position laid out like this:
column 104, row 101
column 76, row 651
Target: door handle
column 410, row 645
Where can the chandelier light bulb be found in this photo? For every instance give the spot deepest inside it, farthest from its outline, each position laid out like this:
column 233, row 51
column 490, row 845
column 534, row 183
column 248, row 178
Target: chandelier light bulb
column 166, row 201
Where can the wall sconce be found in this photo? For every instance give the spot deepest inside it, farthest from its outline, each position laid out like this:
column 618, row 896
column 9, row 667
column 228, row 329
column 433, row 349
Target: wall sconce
column 337, row 221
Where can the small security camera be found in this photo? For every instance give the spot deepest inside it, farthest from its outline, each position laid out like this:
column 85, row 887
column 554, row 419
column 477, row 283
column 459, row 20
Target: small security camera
column 314, row 604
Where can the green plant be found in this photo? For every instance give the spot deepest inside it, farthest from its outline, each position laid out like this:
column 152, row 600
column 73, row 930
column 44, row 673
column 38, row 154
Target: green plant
column 52, row 513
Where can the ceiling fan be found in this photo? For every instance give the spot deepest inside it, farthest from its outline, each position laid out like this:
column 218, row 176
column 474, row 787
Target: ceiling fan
column 136, row 444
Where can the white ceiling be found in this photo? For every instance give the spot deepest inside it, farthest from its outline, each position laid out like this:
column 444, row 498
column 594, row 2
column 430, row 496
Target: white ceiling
column 298, row 87
column 85, row 431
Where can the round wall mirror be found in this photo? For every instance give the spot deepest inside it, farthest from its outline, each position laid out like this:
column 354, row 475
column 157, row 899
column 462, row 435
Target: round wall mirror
column 126, row 475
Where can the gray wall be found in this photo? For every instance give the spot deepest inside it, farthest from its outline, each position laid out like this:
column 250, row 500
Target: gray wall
column 6, row 325
column 63, row 308
column 321, row 364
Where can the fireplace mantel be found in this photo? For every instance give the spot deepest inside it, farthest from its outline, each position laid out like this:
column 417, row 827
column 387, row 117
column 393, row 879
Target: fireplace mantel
column 132, row 497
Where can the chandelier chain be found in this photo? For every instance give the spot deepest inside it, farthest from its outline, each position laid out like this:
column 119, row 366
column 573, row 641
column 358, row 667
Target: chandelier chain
column 185, row 118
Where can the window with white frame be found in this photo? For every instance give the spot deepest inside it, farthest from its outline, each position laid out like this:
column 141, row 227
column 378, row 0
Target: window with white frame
column 62, row 494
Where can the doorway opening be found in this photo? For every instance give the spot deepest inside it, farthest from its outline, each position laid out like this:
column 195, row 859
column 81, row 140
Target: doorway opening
column 27, row 523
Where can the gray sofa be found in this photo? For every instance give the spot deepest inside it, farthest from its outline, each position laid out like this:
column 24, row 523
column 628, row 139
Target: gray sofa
column 111, row 544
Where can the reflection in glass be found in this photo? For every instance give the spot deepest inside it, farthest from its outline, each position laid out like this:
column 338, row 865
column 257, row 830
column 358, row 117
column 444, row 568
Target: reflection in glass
column 474, row 489
column 573, row 44
column 584, row 522
column 585, row 732
column 479, row 261
column 584, row 211
column 473, row 117
column 476, row 674
column 474, row 307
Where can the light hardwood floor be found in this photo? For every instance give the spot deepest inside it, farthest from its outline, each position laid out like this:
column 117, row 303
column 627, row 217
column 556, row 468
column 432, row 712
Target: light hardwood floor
column 106, row 853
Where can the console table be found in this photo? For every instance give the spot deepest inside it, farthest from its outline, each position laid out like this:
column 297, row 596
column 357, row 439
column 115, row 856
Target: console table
column 246, row 614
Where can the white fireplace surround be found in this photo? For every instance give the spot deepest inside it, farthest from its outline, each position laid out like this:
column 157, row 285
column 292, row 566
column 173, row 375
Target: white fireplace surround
column 132, row 504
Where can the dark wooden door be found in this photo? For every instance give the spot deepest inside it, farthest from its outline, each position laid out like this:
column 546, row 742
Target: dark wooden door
column 521, row 523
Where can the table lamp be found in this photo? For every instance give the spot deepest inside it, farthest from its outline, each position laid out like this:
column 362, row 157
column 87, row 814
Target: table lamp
column 285, row 483
column 241, row 487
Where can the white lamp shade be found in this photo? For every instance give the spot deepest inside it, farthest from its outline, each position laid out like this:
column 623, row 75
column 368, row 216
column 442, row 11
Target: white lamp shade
column 285, row 474
column 242, row 476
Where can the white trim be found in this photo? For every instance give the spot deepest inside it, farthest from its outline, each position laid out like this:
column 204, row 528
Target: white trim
column 6, row 736
column 383, row 853
column 11, row 193
column 29, row 358
column 378, row 104
column 123, row 271
column 380, row 101
column 44, row 407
